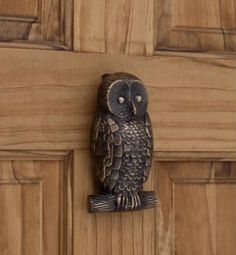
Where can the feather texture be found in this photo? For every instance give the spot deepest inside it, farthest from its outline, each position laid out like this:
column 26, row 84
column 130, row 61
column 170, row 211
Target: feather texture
column 122, row 152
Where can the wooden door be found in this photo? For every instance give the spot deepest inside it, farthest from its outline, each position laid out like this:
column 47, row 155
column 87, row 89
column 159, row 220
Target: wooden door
column 52, row 56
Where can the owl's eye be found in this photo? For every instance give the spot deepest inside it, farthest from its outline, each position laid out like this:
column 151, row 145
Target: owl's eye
column 121, row 100
column 138, row 98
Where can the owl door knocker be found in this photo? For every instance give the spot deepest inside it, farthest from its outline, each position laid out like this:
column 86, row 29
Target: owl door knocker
column 122, row 145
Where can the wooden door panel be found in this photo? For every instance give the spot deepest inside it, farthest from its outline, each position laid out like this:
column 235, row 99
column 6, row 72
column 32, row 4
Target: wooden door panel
column 48, row 101
column 208, row 213
column 35, row 201
column 197, row 207
column 47, row 24
column 196, row 211
column 196, row 25
column 20, row 213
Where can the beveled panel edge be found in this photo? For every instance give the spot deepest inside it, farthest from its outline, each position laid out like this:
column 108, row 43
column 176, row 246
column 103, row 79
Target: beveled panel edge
column 35, row 154
column 44, row 45
column 24, row 19
column 66, row 235
column 194, row 54
column 194, row 156
column 203, row 30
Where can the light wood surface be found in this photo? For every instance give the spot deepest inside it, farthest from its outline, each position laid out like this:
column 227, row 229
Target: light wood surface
column 194, row 156
column 114, row 26
column 33, row 155
column 50, row 99
column 27, row 8
column 119, row 26
column 197, row 204
column 195, row 25
column 35, row 203
column 128, row 233
column 36, row 23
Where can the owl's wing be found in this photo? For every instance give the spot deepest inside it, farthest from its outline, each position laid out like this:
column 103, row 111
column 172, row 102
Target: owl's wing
column 107, row 150
column 149, row 146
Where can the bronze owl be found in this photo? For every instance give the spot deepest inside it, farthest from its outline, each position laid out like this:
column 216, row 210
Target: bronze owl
column 121, row 139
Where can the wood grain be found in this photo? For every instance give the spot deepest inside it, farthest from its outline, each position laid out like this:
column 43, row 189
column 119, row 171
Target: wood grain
column 84, row 224
column 48, row 99
column 127, row 233
column 192, row 195
column 194, row 156
column 35, row 207
column 116, row 234
column 114, row 26
column 206, row 191
column 34, row 155
column 28, row 8
column 46, row 23
column 149, row 220
column 197, row 203
column 195, row 25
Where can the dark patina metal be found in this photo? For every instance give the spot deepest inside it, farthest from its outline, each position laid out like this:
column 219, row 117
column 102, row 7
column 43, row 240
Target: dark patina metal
column 122, row 145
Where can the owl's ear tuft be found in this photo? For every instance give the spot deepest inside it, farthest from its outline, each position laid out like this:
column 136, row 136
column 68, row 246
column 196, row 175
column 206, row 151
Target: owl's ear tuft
column 105, row 75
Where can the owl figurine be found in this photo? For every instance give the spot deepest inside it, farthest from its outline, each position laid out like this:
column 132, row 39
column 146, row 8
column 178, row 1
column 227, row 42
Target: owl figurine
column 121, row 139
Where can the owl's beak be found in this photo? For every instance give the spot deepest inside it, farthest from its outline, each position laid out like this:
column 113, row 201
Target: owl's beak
column 134, row 110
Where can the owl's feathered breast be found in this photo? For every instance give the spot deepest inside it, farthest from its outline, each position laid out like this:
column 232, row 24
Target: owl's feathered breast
column 137, row 155
column 122, row 152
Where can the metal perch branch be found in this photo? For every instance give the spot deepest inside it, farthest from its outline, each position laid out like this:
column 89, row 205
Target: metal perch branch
column 108, row 202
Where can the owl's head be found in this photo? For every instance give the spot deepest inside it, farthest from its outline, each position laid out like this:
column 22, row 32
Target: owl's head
column 123, row 95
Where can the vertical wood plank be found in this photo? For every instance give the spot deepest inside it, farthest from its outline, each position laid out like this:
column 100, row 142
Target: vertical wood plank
column 138, row 232
column 31, row 219
column 51, row 218
column 226, row 218
column 89, row 25
column 103, row 231
column 114, row 26
column 164, row 242
column 85, row 239
column 194, row 218
column 127, row 233
column 66, row 194
column 116, row 238
column 149, row 220
column 11, row 220
column 228, row 12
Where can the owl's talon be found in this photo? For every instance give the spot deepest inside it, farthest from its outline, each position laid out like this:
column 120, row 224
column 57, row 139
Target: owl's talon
column 135, row 201
column 118, row 201
column 132, row 203
column 125, row 202
column 128, row 203
column 122, row 202
column 138, row 201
